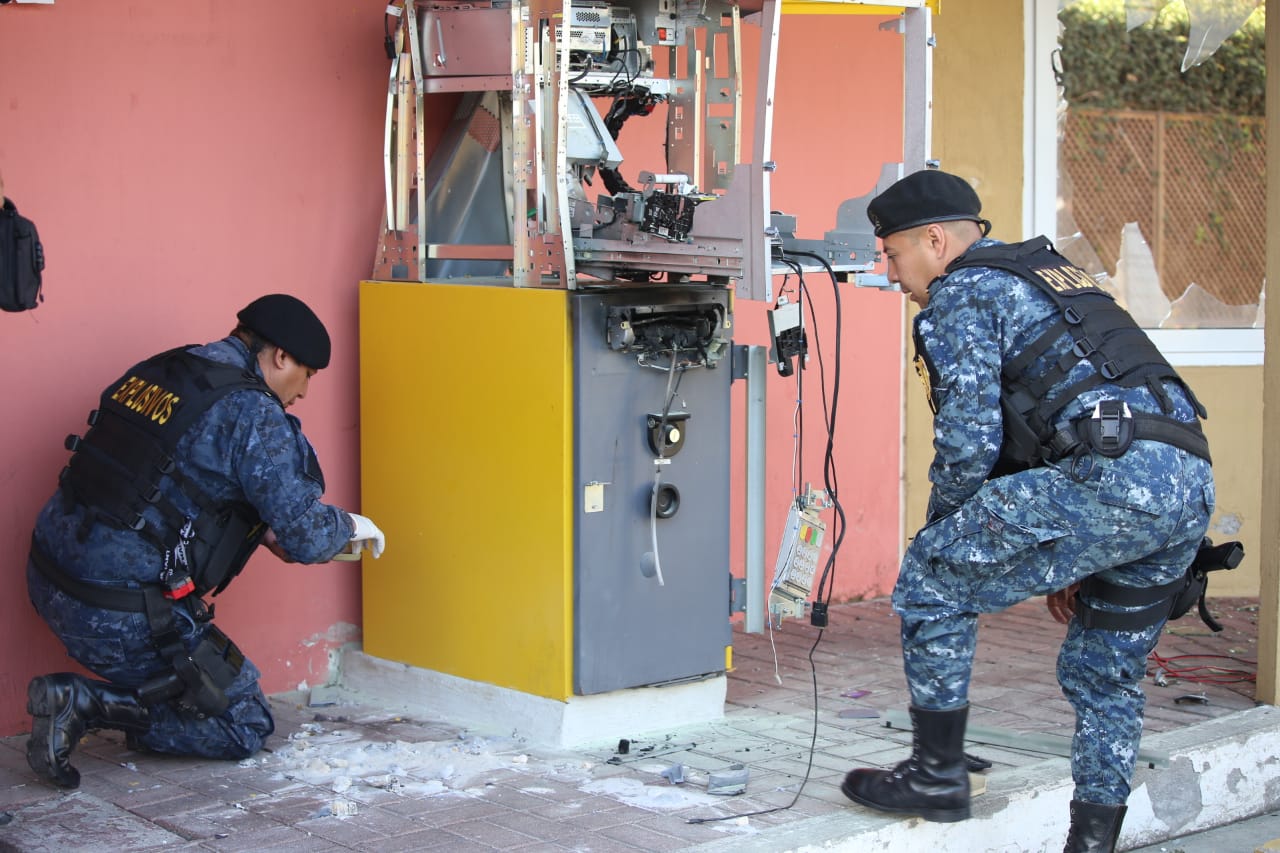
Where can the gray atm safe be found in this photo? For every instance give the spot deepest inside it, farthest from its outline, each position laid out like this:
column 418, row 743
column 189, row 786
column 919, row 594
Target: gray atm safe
column 630, row 630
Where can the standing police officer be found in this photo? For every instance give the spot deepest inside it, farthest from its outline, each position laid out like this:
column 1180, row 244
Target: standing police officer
column 1067, row 451
column 190, row 463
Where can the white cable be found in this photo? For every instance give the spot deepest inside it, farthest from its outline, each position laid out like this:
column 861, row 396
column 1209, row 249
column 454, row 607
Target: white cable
column 653, row 526
column 776, row 675
column 796, row 462
column 657, row 473
column 795, row 451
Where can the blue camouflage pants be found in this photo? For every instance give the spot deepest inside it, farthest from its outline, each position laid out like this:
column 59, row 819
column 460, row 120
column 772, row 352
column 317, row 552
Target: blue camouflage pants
column 1136, row 520
column 117, row 646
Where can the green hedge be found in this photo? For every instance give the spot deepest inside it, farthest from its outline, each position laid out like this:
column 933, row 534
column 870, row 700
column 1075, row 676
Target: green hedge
column 1105, row 67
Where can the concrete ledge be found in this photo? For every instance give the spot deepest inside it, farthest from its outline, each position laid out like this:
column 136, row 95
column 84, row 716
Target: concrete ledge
column 577, row 722
column 1220, row 771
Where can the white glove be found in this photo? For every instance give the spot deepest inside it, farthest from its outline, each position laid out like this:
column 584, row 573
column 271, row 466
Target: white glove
column 367, row 535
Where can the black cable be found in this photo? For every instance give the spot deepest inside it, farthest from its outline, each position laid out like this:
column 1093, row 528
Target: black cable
column 387, row 41
column 821, row 604
column 623, row 69
column 802, row 293
column 829, row 419
column 817, row 348
column 585, row 72
column 676, row 388
column 813, row 746
column 830, row 477
column 798, row 483
column 673, row 382
column 638, row 101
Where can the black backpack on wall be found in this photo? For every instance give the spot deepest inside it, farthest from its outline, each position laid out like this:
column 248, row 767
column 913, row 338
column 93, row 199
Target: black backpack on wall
column 21, row 261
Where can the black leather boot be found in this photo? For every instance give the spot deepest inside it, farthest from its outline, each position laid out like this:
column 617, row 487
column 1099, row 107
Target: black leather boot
column 64, row 706
column 933, row 783
column 1095, row 828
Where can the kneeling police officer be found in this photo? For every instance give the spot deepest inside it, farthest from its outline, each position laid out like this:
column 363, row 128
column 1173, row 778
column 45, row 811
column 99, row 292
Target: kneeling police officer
column 190, row 462
column 1068, row 455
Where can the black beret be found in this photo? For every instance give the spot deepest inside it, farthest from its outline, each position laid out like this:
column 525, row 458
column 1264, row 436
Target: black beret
column 924, row 197
column 287, row 322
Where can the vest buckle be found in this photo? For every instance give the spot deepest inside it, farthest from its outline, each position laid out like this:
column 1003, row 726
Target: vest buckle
column 1111, row 428
column 1083, row 347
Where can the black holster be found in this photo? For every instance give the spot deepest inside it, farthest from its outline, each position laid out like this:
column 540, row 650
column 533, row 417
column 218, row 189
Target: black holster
column 1169, row 601
column 198, row 679
column 198, row 682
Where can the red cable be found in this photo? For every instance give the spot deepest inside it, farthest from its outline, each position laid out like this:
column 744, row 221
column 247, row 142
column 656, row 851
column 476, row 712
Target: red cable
column 1219, row 675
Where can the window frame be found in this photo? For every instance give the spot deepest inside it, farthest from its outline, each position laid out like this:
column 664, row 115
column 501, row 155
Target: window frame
column 1183, row 347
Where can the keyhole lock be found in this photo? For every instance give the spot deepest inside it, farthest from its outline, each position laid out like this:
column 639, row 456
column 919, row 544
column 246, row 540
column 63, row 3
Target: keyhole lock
column 666, row 435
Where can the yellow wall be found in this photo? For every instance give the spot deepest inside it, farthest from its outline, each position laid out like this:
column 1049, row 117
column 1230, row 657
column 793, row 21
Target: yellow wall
column 466, row 462
column 977, row 104
column 1233, row 396
column 977, row 133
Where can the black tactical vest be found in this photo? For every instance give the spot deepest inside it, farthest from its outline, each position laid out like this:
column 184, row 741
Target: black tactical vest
column 118, row 468
column 1100, row 331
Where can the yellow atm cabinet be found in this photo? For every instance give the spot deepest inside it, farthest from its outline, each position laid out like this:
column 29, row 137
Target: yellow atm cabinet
column 508, row 444
column 465, row 406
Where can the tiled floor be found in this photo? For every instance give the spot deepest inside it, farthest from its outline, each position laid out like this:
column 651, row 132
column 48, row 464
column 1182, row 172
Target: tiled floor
column 352, row 777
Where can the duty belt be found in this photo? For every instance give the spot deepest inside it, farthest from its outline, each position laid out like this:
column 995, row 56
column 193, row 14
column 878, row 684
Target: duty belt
column 1112, row 427
column 106, row 597
column 200, row 677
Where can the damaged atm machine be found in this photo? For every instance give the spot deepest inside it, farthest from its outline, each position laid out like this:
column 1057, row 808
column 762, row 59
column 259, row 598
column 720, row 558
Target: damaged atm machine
column 546, row 353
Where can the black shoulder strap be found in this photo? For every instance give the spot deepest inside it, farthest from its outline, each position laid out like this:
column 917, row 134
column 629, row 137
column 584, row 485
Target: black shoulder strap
column 1037, row 261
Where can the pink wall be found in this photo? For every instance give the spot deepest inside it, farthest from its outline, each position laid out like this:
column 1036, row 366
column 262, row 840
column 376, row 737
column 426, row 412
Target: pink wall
column 180, row 159
column 837, row 119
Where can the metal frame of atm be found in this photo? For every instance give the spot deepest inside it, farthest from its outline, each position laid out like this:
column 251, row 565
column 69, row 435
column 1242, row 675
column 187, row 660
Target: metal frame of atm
column 520, row 49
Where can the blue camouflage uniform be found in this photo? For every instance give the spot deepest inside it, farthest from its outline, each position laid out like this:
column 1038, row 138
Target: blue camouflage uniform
column 245, row 448
column 1136, row 521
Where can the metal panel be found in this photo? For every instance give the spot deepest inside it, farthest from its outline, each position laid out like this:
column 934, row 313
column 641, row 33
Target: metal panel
column 917, row 127
column 466, row 464
column 467, row 201
column 634, row 625
column 466, row 41
column 756, row 429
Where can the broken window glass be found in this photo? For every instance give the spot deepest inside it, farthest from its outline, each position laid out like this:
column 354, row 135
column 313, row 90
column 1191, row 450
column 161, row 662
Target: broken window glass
column 1162, row 180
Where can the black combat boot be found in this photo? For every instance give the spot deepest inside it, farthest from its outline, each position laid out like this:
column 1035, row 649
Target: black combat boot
column 933, row 783
column 64, row 706
column 1095, row 828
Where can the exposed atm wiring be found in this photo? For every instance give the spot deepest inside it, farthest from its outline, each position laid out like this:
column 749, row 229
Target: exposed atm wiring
column 830, row 410
column 830, row 478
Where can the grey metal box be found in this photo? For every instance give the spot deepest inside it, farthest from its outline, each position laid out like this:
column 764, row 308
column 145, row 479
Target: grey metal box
column 628, row 629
